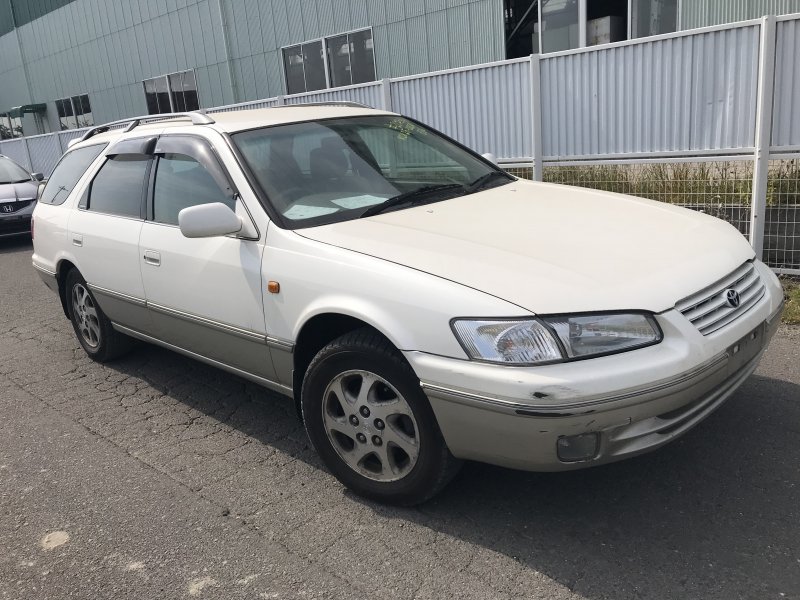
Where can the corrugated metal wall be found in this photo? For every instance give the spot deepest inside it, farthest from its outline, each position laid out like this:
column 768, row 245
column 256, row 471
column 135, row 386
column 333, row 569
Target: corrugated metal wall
column 786, row 106
column 700, row 13
column 45, row 150
column 487, row 109
column 686, row 94
column 15, row 150
column 683, row 93
column 107, row 48
column 368, row 94
column 13, row 85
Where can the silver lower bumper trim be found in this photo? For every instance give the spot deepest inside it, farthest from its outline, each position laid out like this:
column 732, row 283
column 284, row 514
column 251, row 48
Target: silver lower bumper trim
column 592, row 404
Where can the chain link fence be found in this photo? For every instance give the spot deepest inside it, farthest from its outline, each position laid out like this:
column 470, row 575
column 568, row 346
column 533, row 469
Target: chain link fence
column 782, row 221
column 720, row 188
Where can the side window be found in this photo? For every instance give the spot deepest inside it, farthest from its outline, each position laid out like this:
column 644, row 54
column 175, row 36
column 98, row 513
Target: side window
column 181, row 182
column 118, row 187
column 67, row 173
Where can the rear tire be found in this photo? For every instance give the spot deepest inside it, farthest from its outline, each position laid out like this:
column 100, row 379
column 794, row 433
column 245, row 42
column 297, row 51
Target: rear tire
column 371, row 423
column 94, row 331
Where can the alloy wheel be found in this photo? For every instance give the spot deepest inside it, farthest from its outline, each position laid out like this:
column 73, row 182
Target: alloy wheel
column 85, row 314
column 370, row 425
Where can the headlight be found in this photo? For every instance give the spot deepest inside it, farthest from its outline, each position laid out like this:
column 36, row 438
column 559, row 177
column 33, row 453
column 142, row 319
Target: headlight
column 555, row 339
column 586, row 335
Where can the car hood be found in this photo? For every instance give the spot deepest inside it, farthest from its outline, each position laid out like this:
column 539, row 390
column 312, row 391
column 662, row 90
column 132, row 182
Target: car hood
column 551, row 248
column 10, row 192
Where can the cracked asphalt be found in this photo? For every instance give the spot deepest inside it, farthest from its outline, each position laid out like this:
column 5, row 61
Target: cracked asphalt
column 158, row 477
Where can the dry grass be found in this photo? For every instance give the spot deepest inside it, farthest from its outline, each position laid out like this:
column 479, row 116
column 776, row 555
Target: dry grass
column 791, row 313
column 724, row 183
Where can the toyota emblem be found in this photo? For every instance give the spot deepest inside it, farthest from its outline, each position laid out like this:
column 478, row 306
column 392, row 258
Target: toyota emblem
column 732, row 298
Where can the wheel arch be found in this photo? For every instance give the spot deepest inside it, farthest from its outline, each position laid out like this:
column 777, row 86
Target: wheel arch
column 63, row 267
column 316, row 333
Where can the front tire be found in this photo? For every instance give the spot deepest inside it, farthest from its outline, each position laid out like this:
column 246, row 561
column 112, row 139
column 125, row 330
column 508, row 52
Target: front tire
column 371, row 423
column 94, row 330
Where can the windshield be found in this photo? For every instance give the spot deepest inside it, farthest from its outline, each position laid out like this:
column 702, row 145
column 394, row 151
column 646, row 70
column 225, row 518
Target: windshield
column 11, row 172
column 333, row 170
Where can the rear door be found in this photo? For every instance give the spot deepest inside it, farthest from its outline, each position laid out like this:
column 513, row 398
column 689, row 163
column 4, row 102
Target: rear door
column 204, row 294
column 104, row 233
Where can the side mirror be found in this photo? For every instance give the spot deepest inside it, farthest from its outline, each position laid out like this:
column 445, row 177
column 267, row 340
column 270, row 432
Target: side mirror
column 490, row 157
column 208, row 220
column 40, row 189
column 37, row 176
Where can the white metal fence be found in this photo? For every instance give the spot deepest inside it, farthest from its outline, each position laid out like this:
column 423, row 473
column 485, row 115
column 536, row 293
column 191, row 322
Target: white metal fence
column 721, row 101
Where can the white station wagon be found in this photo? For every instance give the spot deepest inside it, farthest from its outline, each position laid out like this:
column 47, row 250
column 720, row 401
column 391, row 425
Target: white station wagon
column 420, row 305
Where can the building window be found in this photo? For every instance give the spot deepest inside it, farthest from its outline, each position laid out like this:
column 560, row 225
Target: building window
column 334, row 61
column 560, row 25
column 653, row 17
column 176, row 92
column 75, row 112
column 10, row 127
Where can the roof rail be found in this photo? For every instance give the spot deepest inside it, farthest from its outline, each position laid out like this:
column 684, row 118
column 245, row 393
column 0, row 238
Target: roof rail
column 197, row 118
column 322, row 103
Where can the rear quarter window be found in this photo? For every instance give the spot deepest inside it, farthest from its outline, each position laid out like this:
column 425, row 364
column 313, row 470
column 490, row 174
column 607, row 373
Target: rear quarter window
column 67, row 173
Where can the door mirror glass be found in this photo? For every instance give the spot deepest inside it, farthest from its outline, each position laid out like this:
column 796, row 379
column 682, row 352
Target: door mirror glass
column 40, row 189
column 37, row 176
column 208, row 220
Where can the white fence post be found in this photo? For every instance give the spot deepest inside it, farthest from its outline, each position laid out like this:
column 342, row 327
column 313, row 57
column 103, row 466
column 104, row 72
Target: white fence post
column 386, row 94
column 763, row 133
column 28, row 154
column 536, row 117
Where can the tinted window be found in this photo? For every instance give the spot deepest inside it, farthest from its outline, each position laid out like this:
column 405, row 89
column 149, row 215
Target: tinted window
column 118, row 188
column 305, row 68
column 181, row 182
column 293, row 67
column 362, row 56
column 67, row 173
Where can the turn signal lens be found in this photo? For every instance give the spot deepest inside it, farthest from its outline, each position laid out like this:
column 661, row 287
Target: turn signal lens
column 517, row 342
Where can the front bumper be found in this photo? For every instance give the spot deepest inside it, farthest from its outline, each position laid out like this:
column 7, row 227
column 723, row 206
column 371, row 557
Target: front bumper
column 635, row 401
column 18, row 222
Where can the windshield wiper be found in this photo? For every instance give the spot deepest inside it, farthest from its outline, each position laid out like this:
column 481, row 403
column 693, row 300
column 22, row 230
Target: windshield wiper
column 409, row 197
column 484, row 179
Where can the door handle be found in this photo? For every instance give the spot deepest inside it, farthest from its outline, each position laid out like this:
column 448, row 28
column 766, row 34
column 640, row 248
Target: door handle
column 151, row 257
column 77, row 240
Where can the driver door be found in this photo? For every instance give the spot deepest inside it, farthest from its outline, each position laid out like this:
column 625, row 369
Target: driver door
column 203, row 294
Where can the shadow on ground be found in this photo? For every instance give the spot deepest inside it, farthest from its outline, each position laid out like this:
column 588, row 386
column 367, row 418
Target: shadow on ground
column 15, row 244
column 713, row 515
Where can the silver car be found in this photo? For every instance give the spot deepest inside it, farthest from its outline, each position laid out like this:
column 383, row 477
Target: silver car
column 18, row 190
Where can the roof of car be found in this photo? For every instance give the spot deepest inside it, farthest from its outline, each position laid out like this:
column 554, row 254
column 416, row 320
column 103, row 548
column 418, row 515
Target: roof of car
column 239, row 120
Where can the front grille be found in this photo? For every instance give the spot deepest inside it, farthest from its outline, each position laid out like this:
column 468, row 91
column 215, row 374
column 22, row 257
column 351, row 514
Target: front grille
column 9, row 208
column 709, row 309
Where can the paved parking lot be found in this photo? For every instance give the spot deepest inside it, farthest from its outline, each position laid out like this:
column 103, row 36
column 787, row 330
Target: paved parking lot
column 158, row 477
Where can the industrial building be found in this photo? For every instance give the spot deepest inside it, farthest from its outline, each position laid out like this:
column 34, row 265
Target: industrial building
column 72, row 63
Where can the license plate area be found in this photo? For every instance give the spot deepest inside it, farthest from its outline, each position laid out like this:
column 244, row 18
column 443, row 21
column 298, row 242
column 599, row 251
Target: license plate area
column 743, row 351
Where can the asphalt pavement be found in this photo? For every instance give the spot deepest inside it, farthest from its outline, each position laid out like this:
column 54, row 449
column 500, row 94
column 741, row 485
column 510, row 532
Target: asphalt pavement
column 157, row 477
